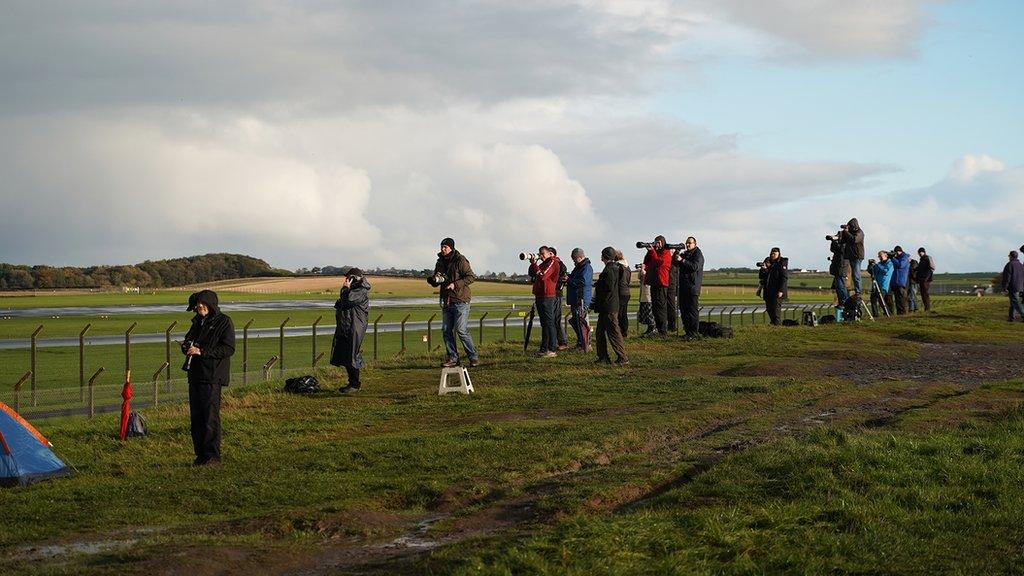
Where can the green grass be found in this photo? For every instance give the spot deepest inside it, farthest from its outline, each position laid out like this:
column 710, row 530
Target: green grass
column 680, row 463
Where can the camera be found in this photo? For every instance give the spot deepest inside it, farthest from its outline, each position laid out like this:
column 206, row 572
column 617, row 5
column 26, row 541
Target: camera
column 761, row 264
column 650, row 246
column 638, row 266
column 438, row 279
column 529, row 256
column 188, row 359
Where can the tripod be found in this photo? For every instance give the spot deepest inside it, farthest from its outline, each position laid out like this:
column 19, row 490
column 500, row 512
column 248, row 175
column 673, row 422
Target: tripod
column 881, row 297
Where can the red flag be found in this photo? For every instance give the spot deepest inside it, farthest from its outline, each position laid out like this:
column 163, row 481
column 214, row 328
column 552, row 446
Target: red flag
column 126, row 403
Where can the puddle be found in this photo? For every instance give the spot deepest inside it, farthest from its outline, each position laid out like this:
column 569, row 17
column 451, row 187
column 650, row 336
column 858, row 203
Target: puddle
column 87, row 548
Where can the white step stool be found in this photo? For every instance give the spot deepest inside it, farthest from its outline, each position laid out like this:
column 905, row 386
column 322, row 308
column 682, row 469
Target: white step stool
column 465, row 385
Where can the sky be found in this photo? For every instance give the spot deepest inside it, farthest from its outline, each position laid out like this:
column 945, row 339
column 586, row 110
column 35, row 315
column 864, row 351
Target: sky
column 313, row 133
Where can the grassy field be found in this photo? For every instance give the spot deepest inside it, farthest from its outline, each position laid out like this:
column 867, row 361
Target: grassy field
column 888, row 448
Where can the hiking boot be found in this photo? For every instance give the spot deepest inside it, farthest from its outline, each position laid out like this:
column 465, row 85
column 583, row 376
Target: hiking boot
column 603, row 361
column 474, row 362
column 548, row 354
column 349, row 389
column 562, row 347
column 622, row 361
column 450, row 363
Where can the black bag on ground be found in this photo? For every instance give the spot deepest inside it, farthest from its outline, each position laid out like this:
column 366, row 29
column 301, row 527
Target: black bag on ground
column 302, row 385
column 714, row 330
column 136, row 425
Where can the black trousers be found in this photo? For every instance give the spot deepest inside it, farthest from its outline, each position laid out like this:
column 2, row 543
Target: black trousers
column 353, row 376
column 624, row 316
column 774, row 306
column 659, row 305
column 674, row 306
column 689, row 304
column 608, row 333
column 204, row 408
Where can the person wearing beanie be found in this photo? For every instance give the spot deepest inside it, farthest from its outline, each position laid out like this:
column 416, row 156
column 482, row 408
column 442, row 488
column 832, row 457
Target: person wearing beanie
column 900, row 279
column 208, row 347
column 606, row 304
column 923, row 277
column 351, row 315
column 453, row 275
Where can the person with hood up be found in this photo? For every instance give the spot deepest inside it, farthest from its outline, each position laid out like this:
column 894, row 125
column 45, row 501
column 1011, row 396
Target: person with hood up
column 545, row 274
column 351, row 315
column 657, row 273
column 852, row 239
column 208, row 347
column 900, row 279
column 690, row 264
column 579, row 292
column 606, row 304
column 774, row 277
column 923, row 277
column 1013, row 284
column 453, row 274
column 881, row 273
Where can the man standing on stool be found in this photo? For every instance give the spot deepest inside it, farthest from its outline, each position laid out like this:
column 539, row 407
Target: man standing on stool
column 208, row 345
column 453, row 275
column 657, row 265
column 691, row 275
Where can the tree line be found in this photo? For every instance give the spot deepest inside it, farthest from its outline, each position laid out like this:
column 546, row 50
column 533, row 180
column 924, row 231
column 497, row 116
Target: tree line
column 148, row 274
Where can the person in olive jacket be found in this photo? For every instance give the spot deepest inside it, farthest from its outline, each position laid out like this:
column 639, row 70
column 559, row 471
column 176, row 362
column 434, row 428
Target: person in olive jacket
column 774, row 277
column 453, row 267
column 208, row 347
column 351, row 315
column 607, row 305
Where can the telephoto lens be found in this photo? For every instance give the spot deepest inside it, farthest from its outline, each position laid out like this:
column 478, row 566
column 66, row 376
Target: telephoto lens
column 528, row 256
column 644, row 245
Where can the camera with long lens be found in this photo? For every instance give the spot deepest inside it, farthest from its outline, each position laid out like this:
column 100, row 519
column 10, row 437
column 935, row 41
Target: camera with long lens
column 438, row 279
column 650, row 246
column 529, row 256
column 638, row 266
column 188, row 359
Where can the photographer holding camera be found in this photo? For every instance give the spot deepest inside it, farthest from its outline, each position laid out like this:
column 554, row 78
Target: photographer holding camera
column 208, row 347
column 774, row 280
column 690, row 264
column 657, row 268
column 837, row 268
column 578, row 295
column 545, row 276
column 453, row 274
column 852, row 238
column 351, row 316
column 881, row 275
column 563, row 279
column 607, row 305
column 900, row 279
column 923, row 277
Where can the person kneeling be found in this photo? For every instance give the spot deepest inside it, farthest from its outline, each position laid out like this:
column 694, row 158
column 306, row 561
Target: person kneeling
column 351, row 313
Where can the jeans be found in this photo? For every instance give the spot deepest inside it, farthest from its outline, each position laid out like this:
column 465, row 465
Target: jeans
column 563, row 340
column 546, row 307
column 911, row 297
column 839, row 285
column 855, row 273
column 580, row 325
column 456, row 320
column 1015, row 305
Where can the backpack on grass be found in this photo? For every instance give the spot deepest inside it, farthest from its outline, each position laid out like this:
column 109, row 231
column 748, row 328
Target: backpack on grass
column 302, row 385
column 714, row 330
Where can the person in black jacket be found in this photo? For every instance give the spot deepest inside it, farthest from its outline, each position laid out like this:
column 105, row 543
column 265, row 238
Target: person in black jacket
column 208, row 346
column 690, row 265
column 625, row 281
column 837, row 269
column 351, row 315
column 774, row 277
column 607, row 305
column 923, row 277
column 852, row 238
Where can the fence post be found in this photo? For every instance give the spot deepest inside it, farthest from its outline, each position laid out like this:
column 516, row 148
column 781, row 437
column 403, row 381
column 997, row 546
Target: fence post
column 375, row 343
column 128, row 346
column 167, row 350
column 17, row 391
column 33, row 367
column 81, row 362
column 280, row 356
column 317, row 358
column 268, row 366
column 315, row 322
column 245, row 351
column 156, row 382
column 504, row 327
column 482, row 326
column 404, row 320
column 92, row 392
column 430, row 331
column 743, row 312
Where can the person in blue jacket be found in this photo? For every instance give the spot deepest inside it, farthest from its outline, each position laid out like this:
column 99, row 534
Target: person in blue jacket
column 881, row 272
column 901, row 279
column 578, row 296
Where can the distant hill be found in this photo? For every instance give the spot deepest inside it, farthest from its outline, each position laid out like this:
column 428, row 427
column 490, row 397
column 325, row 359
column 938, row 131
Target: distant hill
column 148, row 274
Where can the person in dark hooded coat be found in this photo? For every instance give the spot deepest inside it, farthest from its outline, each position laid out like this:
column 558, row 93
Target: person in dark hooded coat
column 853, row 250
column 774, row 277
column 208, row 347
column 352, row 313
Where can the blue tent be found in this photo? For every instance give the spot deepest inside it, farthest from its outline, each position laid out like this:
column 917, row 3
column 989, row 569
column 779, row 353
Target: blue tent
column 25, row 455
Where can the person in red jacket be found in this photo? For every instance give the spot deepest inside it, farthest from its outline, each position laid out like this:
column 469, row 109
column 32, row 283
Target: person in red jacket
column 545, row 274
column 657, row 267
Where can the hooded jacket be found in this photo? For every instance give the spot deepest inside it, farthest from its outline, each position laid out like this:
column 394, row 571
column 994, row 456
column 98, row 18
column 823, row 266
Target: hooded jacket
column 853, row 241
column 351, row 315
column 581, row 284
column 456, row 269
column 901, row 270
column 775, row 277
column 606, row 293
column 1013, row 276
column 881, row 272
column 691, row 272
column 835, row 267
column 214, row 335
column 545, row 277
